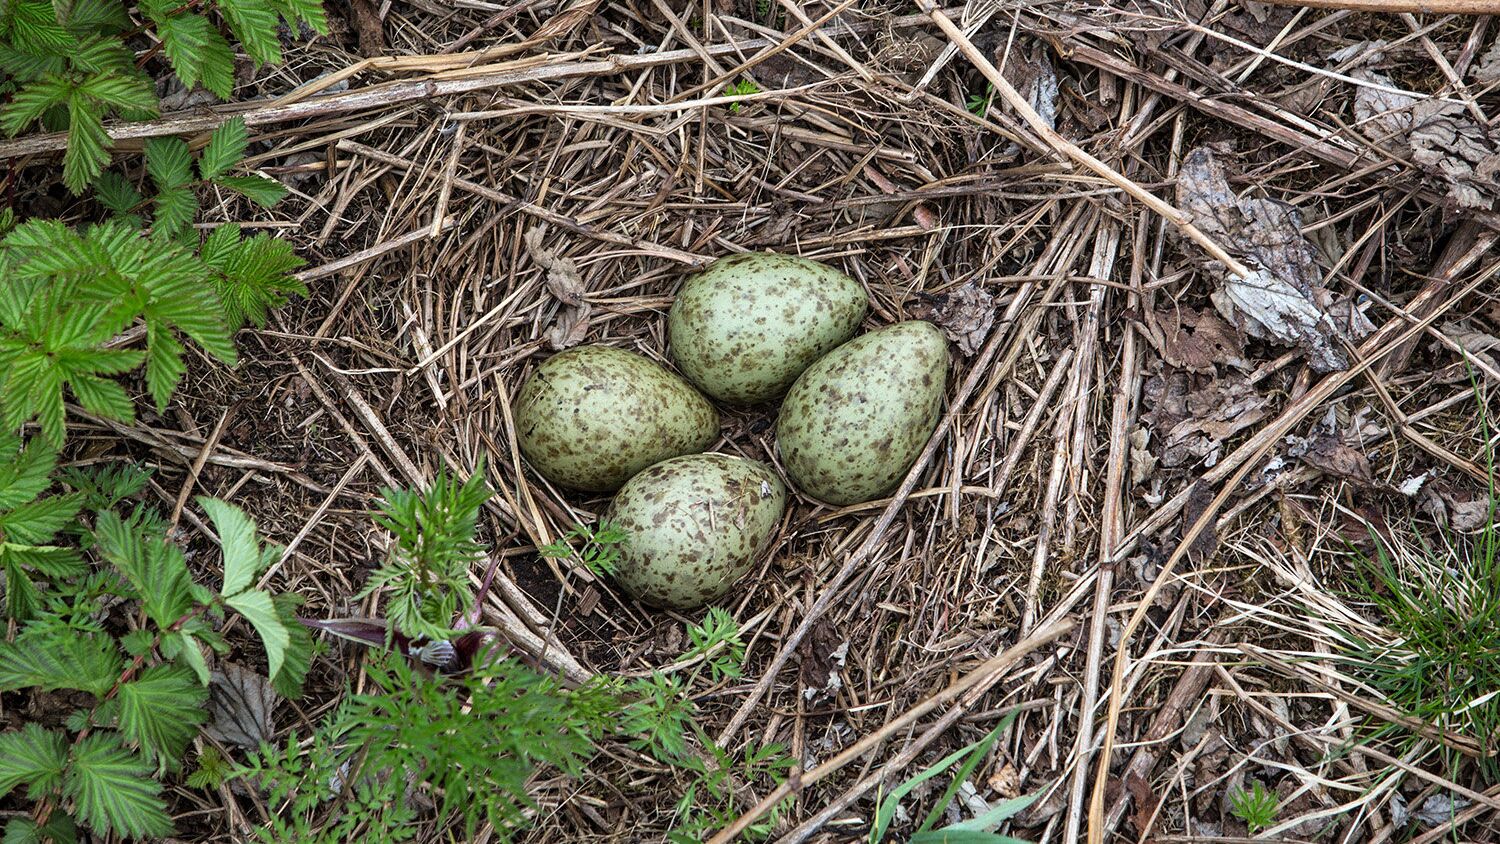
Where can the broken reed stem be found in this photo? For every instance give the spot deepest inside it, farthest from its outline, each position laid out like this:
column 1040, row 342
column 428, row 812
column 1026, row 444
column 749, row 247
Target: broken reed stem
column 1071, row 150
column 985, row 671
column 1379, row 346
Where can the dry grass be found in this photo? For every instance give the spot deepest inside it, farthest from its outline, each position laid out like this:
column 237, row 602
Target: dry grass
column 604, row 125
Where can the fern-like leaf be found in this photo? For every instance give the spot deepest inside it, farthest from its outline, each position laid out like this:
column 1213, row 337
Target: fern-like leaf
column 49, row 662
column 226, row 146
column 252, row 275
column 258, row 189
column 154, row 567
column 113, row 791
column 254, row 23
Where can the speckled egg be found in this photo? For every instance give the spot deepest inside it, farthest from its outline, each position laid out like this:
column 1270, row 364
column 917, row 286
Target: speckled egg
column 591, row 417
column 744, row 328
column 694, row 525
column 856, row 420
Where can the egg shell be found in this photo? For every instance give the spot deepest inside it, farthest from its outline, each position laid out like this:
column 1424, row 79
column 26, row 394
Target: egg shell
column 856, row 420
column 745, row 327
column 591, row 417
column 694, row 526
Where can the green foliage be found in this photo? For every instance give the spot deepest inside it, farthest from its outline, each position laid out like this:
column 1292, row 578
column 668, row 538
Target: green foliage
column 979, row 104
column 469, row 745
column 68, row 67
column 742, row 88
column 1256, row 806
column 600, row 551
column 978, row 830
column 147, row 687
column 718, row 641
column 426, row 575
column 29, row 524
column 170, row 165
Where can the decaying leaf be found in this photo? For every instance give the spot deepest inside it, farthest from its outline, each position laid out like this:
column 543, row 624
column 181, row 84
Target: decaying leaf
column 1487, row 69
column 965, row 315
column 1458, row 508
column 1440, row 136
column 1475, row 341
column 566, row 285
column 1195, row 340
column 1328, row 453
column 1029, row 70
column 1284, row 298
column 240, row 706
column 1194, row 423
column 1142, row 461
column 823, row 653
column 1199, row 499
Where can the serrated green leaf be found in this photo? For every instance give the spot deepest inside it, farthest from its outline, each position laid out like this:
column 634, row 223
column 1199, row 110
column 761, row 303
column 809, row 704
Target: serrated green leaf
column 59, row 829
column 183, row 37
column 27, row 105
column 254, row 23
column 258, row 609
column 173, row 209
column 102, row 397
column 225, row 148
column 169, row 162
column 128, row 91
column 116, row 194
column 22, row 599
column 37, row 522
column 243, row 557
column 27, row 475
column 113, row 791
column 154, row 567
column 164, row 366
column 33, row 757
column 192, row 654
column 88, row 144
column 258, row 189
column 85, row 663
column 299, row 652
column 216, row 65
column 160, row 711
column 309, row 12
column 97, row 16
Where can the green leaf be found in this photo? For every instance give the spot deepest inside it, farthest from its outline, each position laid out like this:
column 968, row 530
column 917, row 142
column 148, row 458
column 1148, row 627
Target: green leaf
column 258, row 189
column 48, row 662
column 258, row 609
column 174, row 208
column 243, row 556
column 254, row 23
column 997, row 814
column 113, row 791
column 22, row 598
column 116, row 194
column 976, row 753
column 37, row 522
column 25, row 476
column 164, row 366
column 216, row 65
column 88, row 144
column 309, row 12
column 253, row 276
column 102, row 397
column 225, row 148
column 153, row 567
column 944, row 836
column 60, row 829
column 183, row 37
column 192, row 654
column 886, row 808
column 169, row 162
column 33, row 757
column 288, row 681
column 160, row 711
column 32, row 101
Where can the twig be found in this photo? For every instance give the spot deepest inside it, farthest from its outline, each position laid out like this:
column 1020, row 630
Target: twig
column 1390, row 7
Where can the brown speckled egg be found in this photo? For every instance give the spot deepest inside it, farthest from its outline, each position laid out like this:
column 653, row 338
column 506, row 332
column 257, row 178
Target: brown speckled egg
column 744, row 328
column 694, row 525
column 856, row 420
column 591, row 417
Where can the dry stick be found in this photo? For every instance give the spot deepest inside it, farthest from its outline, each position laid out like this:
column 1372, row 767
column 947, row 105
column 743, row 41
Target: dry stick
column 1415, row 7
column 990, row 668
column 373, row 252
column 1376, row 348
column 197, row 468
column 1033, row 419
column 1072, row 150
column 1049, row 502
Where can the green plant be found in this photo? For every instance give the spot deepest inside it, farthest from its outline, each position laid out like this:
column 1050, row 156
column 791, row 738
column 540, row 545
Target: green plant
column 979, row 104
column 717, row 640
column 1255, row 805
column 743, row 88
column 1434, row 650
column 426, row 574
column 68, row 66
column 465, row 746
column 600, row 551
column 137, row 690
column 978, row 830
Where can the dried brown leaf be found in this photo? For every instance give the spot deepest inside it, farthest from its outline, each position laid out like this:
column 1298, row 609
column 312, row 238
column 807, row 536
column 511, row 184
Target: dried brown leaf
column 240, row 706
column 1439, row 136
column 1195, row 340
column 1284, row 299
column 1330, row 454
column 565, row 284
column 965, row 315
column 823, row 653
column 1200, row 497
column 1194, row 423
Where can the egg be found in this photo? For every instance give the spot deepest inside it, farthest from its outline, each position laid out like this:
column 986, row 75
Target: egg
column 745, row 327
column 591, row 417
column 856, row 420
column 694, row 526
